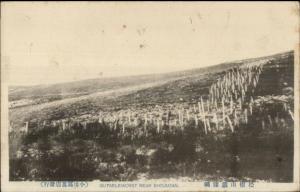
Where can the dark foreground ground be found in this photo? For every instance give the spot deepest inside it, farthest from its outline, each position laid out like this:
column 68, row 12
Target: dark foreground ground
column 101, row 154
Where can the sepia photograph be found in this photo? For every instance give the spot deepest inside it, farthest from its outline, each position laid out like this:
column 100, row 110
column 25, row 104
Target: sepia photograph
column 149, row 96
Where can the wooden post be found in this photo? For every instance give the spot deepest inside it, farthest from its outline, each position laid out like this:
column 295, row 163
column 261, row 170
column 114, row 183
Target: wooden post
column 223, row 111
column 208, row 123
column 179, row 117
column 63, row 124
column 246, row 115
column 10, row 127
column 145, row 124
column 283, row 122
column 26, row 126
column 291, row 114
column 202, row 106
column 182, row 122
column 230, row 123
column 263, row 124
column 285, row 106
column 243, row 95
column 235, row 118
column 204, row 122
column 211, row 96
column 101, row 116
column 276, row 120
column 187, row 115
column 270, row 120
column 199, row 108
column 207, row 103
column 182, row 114
column 135, row 121
column 231, row 105
column 215, row 119
column 196, row 120
column 129, row 118
column 115, row 125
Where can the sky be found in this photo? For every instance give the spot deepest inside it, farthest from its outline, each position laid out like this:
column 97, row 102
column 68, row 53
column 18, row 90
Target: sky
column 52, row 42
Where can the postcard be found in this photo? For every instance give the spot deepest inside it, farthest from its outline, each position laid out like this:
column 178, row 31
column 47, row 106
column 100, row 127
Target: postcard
column 149, row 96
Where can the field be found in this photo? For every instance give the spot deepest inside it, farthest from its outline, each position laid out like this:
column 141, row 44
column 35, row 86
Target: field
column 230, row 121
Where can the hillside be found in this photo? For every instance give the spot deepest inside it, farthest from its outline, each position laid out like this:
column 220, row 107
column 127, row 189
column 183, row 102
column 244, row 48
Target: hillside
column 89, row 96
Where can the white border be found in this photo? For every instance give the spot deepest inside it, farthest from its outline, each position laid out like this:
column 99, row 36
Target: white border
column 183, row 186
